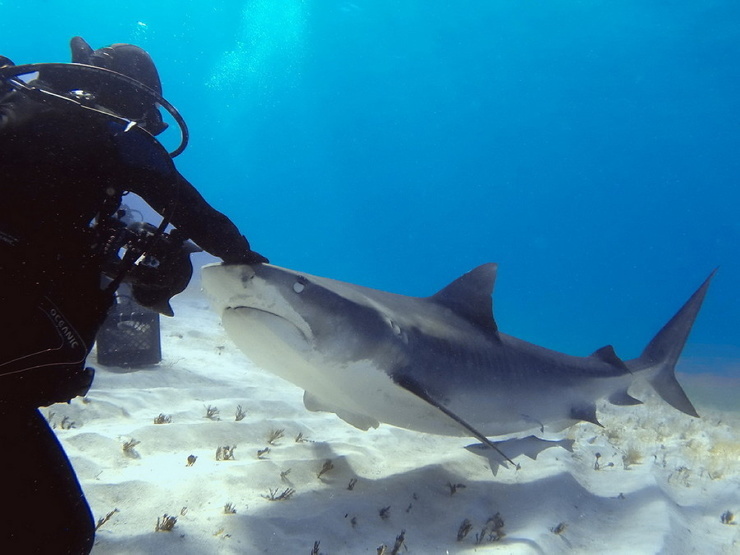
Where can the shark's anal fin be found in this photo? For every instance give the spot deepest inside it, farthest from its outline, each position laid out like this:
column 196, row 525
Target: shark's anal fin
column 623, row 399
column 586, row 413
column 413, row 386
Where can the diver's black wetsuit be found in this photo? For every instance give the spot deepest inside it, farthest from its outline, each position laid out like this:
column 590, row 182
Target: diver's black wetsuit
column 60, row 167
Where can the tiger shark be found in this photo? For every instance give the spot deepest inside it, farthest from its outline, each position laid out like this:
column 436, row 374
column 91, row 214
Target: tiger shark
column 434, row 364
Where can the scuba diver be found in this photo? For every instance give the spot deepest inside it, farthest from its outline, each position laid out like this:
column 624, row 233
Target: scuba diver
column 74, row 138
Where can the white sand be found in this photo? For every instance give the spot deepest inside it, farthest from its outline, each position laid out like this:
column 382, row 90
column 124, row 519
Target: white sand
column 686, row 471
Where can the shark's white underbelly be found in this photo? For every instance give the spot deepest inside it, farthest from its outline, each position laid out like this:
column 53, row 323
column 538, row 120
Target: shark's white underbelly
column 363, row 394
column 359, row 392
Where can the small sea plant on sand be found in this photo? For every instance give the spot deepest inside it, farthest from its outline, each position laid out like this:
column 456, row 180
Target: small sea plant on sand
column 465, row 527
column 492, row 531
column 129, row 448
column 631, row 457
column 103, row 519
column 67, row 423
column 277, row 495
column 225, row 453
column 166, row 523
column 728, row 518
column 328, row 465
column 192, row 459
column 400, row 542
column 275, row 435
column 455, row 487
column 240, row 413
column 229, row 509
column 163, row 419
column 212, row 413
column 598, row 465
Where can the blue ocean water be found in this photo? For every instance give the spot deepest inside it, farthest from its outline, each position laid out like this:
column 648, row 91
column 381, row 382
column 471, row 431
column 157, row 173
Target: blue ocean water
column 588, row 147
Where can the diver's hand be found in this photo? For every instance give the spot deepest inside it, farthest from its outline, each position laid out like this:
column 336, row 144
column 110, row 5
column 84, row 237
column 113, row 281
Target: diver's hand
column 240, row 252
column 246, row 257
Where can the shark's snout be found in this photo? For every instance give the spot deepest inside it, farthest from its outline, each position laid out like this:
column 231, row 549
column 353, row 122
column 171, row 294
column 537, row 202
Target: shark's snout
column 261, row 304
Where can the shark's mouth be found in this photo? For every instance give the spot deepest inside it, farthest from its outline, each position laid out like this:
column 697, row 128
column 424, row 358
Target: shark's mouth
column 268, row 326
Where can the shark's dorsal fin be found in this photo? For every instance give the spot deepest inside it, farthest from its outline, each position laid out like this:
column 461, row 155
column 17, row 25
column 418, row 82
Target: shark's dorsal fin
column 469, row 296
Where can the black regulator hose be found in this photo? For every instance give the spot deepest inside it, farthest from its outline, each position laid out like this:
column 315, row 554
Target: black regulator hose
column 10, row 73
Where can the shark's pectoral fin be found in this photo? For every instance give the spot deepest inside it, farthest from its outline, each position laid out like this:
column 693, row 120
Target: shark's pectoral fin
column 586, row 413
column 361, row 421
column 623, row 399
column 414, row 387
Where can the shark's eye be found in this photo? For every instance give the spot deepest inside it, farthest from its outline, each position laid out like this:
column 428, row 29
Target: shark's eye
column 300, row 284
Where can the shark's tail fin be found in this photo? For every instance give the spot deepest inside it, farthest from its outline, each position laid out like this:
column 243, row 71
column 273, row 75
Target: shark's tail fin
column 663, row 351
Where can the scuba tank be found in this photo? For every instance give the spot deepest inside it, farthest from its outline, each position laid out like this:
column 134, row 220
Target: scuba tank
column 155, row 267
column 130, row 335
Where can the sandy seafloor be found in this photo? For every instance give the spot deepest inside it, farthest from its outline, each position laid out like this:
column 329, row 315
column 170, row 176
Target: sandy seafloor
column 664, row 480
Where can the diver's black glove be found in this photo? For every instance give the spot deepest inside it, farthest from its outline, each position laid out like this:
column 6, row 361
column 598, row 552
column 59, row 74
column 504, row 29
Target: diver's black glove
column 242, row 255
column 249, row 257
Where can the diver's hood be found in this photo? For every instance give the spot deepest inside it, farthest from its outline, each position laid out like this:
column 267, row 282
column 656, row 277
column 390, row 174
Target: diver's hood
column 128, row 60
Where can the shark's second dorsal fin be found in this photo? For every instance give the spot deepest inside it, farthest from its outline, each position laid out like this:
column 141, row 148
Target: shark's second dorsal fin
column 469, row 296
column 607, row 354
